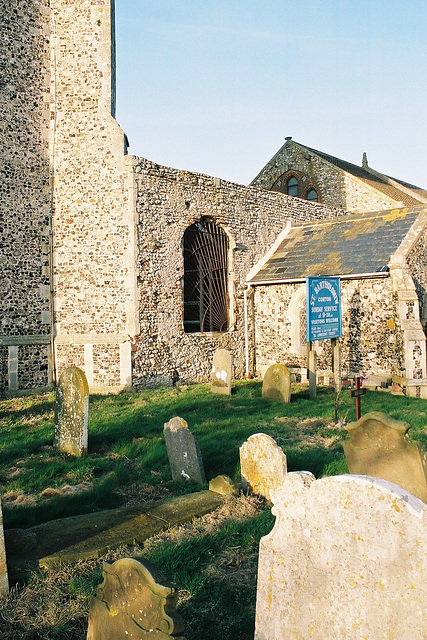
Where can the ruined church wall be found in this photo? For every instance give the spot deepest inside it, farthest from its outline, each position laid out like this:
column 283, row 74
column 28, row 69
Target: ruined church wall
column 335, row 187
column 168, row 201
column 24, row 194
column 94, row 230
column 372, row 340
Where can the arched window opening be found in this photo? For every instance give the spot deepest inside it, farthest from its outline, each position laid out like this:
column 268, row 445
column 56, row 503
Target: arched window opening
column 206, row 248
column 312, row 195
column 292, row 188
column 297, row 315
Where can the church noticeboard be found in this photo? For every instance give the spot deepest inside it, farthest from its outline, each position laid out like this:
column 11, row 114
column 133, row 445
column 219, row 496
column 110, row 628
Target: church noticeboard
column 323, row 308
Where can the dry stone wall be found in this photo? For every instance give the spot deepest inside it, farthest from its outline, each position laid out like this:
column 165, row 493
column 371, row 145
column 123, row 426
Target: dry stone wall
column 24, row 189
column 168, row 201
column 335, row 187
column 372, row 340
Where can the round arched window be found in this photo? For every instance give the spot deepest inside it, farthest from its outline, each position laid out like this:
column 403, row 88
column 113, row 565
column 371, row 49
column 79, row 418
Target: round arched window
column 292, row 189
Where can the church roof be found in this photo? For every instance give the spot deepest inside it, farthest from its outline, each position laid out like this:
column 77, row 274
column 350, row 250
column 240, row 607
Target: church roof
column 355, row 244
column 398, row 190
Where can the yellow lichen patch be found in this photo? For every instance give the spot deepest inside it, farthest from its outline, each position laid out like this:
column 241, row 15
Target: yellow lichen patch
column 395, row 214
column 391, row 324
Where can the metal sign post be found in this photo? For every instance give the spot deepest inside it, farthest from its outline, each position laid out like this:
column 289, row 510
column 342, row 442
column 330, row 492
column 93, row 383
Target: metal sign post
column 323, row 320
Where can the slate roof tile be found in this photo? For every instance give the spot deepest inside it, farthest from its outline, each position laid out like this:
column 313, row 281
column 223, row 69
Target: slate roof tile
column 359, row 243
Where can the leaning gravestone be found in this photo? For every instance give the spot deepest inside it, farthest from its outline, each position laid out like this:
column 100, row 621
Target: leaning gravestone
column 4, row 582
column 222, row 372
column 71, row 412
column 346, row 559
column 183, row 450
column 262, row 464
column 379, row 446
column 277, row 384
column 134, row 601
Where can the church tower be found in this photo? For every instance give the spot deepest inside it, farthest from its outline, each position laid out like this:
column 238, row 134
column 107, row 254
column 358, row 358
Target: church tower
column 71, row 297
column 94, row 232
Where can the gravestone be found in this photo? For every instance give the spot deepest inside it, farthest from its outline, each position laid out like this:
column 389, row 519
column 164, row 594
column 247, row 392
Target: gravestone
column 134, row 601
column 379, row 446
column 262, row 464
column 221, row 375
column 346, row 560
column 4, row 582
column 72, row 412
column 183, row 450
column 277, row 384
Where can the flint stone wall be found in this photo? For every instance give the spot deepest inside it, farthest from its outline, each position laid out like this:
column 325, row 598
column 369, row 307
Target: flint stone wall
column 24, row 179
column 372, row 336
column 94, row 239
column 168, row 201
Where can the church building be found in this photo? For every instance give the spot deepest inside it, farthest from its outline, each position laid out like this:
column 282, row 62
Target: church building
column 137, row 272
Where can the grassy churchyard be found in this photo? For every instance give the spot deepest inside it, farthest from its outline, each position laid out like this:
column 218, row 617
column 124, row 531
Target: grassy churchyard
column 213, row 559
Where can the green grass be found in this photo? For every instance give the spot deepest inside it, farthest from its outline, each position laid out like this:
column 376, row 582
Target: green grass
column 127, row 451
column 215, row 564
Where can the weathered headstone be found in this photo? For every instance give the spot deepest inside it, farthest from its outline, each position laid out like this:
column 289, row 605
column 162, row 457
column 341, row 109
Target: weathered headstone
column 276, row 384
column 72, row 412
column 183, row 450
column 134, row 601
column 379, row 446
column 262, row 464
column 346, row 559
column 4, row 581
column 222, row 369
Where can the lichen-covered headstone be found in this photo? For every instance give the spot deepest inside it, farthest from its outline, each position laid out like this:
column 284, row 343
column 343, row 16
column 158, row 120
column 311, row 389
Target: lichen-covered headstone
column 379, row 446
column 72, row 412
column 4, row 582
column 222, row 369
column 276, row 384
column 134, row 601
column 346, row 560
column 183, row 450
column 262, row 464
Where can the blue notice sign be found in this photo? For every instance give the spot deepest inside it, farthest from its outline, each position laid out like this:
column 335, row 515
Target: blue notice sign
column 323, row 308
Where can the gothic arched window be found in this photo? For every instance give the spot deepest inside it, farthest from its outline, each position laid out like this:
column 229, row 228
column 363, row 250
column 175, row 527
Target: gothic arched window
column 312, row 195
column 205, row 247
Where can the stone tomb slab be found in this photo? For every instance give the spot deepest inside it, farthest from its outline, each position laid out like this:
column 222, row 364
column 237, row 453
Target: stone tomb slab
column 262, row 464
column 346, row 560
column 379, row 446
column 72, row 412
column 276, row 384
column 4, row 582
column 183, row 450
column 222, row 371
column 134, row 601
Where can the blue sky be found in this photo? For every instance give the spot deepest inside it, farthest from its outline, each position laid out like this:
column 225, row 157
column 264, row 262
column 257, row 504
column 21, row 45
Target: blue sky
column 216, row 85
